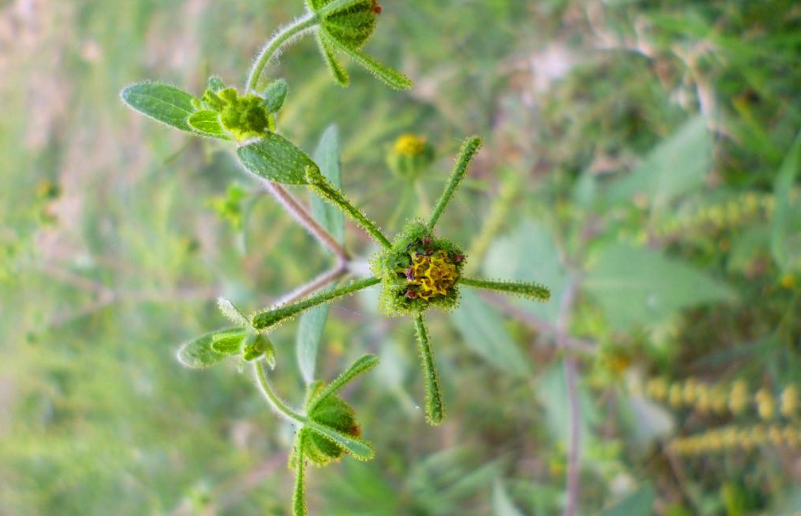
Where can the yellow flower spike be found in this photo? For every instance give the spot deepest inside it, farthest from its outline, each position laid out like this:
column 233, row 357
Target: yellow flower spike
column 766, row 404
column 703, row 399
column 775, row 436
column 719, row 399
column 759, row 434
column 676, row 395
column 689, row 391
column 790, row 401
column 738, row 397
column 656, row 388
column 791, row 437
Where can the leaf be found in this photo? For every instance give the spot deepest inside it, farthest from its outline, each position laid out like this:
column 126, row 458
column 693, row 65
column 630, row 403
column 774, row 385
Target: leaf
column 639, row 287
column 359, row 367
column 275, row 94
column 216, row 84
column 677, row 165
column 327, row 157
column 639, row 503
column 501, row 503
column 484, row 332
column 552, row 393
column 228, row 344
column 309, row 338
column 208, row 123
column 163, row 103
column 334, row 66
column 358, row 448
column 312, row 323
column 276, row 159
column 234, row 314
column 530, row 253
column 783, row 184
column 390, row 77
column 198, row 353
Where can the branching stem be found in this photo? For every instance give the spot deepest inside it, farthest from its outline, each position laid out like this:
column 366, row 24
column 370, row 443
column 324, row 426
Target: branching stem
column 305, row 219
column 272, row 317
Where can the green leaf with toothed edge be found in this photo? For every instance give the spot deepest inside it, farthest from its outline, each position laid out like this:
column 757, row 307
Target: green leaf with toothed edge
column 161, row 102
column 276, row 159
column 390, row 77
column 199, row 353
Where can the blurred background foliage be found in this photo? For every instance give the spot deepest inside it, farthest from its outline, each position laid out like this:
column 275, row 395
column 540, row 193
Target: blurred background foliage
column 641, row 159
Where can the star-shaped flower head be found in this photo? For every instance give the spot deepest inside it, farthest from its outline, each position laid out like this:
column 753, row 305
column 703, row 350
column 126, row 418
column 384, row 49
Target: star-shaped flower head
column 417, row 271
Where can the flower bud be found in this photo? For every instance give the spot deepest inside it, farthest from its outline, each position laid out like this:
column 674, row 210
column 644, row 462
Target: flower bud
column 351, row 25
column 411, row 155
column 333, row 412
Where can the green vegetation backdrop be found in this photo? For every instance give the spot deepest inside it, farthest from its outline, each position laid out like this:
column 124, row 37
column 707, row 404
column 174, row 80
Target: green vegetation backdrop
column 641, row 159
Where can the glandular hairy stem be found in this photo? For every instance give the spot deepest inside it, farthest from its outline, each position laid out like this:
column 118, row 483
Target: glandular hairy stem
column 271, row 317
column 332, row 194
column 468, row 150
column 275, row 402
column 435, row 408
column 524, row 289
column 284, row 35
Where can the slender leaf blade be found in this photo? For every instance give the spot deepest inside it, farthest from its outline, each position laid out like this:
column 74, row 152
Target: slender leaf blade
column 783, row 184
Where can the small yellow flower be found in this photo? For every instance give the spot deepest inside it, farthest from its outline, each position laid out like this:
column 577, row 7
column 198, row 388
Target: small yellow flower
column 790, row 401
column 766, row 404
column 410, row 145
column 738, row 397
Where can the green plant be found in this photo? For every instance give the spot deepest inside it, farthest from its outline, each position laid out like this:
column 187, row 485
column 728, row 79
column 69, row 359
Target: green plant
column 417, row 270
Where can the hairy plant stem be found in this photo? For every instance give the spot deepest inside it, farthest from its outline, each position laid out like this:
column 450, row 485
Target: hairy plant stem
column 283, row 36
column 269, row 395
column 271, row 317
column 468, row 150
column 358, row 448
column 334, row 195
column 435, row 408
column 571, row 374
column 304, row 218
column 321, row 281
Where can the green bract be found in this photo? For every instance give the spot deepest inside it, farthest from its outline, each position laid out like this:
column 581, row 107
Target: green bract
column 352, row 24
column 418, row 271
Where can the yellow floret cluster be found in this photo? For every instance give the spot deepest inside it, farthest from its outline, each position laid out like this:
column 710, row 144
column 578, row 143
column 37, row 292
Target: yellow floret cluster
column 434, row 275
